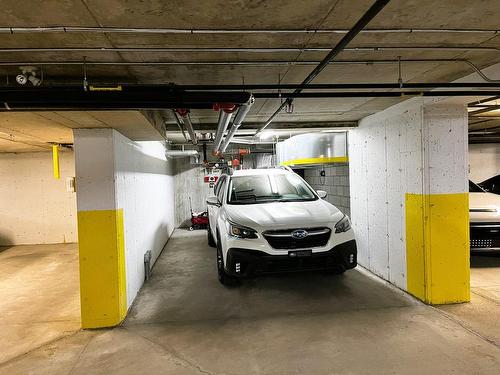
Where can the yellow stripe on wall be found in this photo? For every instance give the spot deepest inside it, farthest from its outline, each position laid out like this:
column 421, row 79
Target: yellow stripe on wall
column 437, row 247
column 308, row 161
column 102, row 268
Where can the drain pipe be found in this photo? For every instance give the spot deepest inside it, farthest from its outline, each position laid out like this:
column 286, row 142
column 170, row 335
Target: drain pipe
column 225, row 113
column 186, row 119
column 238, row 119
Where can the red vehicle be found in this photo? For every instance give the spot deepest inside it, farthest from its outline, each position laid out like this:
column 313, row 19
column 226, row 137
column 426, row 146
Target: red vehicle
column 199, row 220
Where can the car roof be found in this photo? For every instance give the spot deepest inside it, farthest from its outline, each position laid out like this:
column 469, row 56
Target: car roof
column 259, row 171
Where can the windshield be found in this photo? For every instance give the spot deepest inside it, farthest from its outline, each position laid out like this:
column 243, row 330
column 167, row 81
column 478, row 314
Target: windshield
column 473, row 188
column 269, row 188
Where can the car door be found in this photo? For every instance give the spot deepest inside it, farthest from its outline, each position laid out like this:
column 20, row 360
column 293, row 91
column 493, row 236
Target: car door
column 214, row 205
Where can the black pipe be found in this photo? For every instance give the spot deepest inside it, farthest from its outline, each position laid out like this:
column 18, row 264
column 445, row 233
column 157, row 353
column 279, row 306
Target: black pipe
column 363, row 21
column 27, row 100
column 33, row 99
column 314, row 86
column 334, row 86
column 375, row 94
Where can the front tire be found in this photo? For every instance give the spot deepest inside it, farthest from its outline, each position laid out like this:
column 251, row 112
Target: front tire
column 222, row 275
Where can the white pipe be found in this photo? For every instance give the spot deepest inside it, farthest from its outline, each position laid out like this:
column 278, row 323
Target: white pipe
column 157, row 30
column 251, row 141
column 244, row 49
column 238, row 119
column 223, row 122
column 180, row 153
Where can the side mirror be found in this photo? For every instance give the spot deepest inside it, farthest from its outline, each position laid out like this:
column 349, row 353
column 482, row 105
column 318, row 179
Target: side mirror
column 321, row 193
column 213, row 201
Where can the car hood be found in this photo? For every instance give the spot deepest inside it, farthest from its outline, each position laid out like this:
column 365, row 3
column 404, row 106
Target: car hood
column 284, row 214
column 484, row 207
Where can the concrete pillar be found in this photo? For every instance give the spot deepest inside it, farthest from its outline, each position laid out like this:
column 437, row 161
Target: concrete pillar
column 100, row 230
column 409, row 198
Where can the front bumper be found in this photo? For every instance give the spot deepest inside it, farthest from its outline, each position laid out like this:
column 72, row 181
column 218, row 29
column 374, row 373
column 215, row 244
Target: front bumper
column 246, row 262
column 484, row 236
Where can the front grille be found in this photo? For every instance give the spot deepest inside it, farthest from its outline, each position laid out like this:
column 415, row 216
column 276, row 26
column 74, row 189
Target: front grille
column 481, row 244
column 283, row 239
column 297, row 264
column 484, row 236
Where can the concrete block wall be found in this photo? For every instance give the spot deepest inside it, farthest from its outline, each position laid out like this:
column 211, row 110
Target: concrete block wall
column 189, row 183
column 484, row 161
column 409, row 197
column 335, row 183
column 36, row 208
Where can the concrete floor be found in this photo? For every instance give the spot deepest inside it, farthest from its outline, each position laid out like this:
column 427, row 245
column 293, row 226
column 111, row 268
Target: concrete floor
column 39, row 296
column 482, row 315
column 184, row 322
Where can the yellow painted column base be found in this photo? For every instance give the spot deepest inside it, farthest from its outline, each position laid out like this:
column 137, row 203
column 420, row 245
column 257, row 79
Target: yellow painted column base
column 102, row 268
column 437, row 247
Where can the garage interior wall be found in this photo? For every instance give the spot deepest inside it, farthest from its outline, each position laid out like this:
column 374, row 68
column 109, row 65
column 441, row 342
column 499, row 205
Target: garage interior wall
column 125, row 196
column 411, row 220
column 189, row 183
column 484, row 161
column 36, row 208
column 335, row 183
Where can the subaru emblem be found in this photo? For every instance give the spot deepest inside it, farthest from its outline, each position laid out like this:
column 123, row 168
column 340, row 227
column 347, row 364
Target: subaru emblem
column 299, row 234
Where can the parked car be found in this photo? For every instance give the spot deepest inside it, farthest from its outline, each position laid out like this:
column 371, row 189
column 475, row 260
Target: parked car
column 271, row 221
column 484, row 213
column 491, row 185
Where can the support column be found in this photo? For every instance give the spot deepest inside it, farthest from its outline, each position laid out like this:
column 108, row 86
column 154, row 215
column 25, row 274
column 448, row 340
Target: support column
column 409, row 198
column 437, row 212
column 100, row 230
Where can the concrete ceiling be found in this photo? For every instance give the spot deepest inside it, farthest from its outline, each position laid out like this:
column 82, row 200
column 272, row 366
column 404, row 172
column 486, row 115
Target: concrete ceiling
column 237, row 14
column 36, row 131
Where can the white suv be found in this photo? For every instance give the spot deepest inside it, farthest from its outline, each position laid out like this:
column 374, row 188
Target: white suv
column 270, row 221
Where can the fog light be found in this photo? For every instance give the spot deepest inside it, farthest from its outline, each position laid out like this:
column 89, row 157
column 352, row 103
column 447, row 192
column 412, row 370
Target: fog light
column 237, row 267
column 351, row 258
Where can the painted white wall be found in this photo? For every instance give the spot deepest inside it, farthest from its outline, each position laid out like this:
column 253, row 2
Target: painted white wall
column 114, row 172
column 484, row 161
column 419, row 146
column 35, row 208
column 145, row 190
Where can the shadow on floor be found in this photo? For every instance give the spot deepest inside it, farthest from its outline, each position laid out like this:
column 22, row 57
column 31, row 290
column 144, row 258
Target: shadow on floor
column 485, row 260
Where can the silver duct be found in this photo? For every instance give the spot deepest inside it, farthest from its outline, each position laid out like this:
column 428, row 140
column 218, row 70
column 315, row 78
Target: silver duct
column 222, row 124
column 238, row 119
column 180, row 153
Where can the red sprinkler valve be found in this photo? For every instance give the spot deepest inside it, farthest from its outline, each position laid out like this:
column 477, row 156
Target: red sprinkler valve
column 226, row 107
column 182, row 111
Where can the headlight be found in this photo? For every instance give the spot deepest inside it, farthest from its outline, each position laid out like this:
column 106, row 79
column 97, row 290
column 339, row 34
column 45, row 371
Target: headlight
column 236, row 230
column 343, row 225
